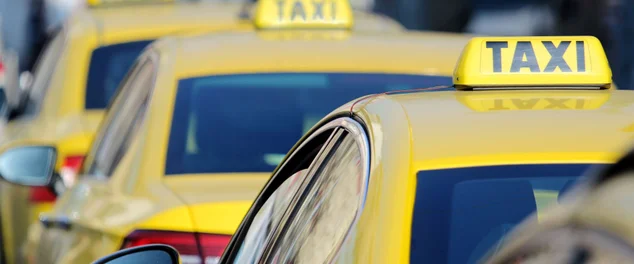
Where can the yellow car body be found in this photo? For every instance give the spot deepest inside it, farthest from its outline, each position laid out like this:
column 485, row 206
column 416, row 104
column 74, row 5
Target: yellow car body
column 57, row 112
column 417, row 176
column 140, row 199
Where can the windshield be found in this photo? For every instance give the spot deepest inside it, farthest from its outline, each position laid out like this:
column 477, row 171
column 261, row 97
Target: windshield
column 108, row 67
column 248, row 122
column 460, row 214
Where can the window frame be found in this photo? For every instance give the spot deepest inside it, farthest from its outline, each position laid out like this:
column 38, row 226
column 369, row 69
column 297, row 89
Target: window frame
column 275, row 231
column 324, row 154
column 315, row 182
column 334, row 128
column 90, row 168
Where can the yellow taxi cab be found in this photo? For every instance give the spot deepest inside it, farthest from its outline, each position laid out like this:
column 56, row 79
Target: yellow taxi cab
column 201, row 121
column 73, row 81
column 80, row 70
column 440, row 175
column 594, row 224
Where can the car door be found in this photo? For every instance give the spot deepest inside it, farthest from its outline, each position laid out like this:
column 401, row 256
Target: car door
column 69, row 228
column 316, row 216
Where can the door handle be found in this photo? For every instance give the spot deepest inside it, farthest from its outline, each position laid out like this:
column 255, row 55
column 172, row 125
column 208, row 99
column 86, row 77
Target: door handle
column 61, row 222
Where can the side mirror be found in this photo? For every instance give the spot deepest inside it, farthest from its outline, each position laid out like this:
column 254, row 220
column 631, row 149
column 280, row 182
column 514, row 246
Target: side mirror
column 155, row 253
column 28, row 165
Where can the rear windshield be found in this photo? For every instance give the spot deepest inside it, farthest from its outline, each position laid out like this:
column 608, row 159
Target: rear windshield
column 108, row 67
column 248, row 122
column 459, row 214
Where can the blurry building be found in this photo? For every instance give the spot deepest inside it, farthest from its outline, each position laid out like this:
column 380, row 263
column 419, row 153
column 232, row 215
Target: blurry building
column 621, row 23
column 57, row 11
column 612, row 21
column 21, row 29
column 27, row 25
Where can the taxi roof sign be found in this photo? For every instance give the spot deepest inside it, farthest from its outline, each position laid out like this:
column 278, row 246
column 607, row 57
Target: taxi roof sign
column 303, row 14
column 552, row 61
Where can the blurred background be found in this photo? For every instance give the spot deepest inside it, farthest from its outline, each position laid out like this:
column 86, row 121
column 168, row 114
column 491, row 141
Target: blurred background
column 609, row 20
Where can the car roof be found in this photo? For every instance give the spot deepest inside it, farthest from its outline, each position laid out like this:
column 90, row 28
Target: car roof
column 288, row 51
column 450, row 129
column 148, row 21
column 131, row 22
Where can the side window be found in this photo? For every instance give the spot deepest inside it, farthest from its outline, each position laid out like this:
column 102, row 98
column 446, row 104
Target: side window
column 268, row 218
column 330, row 206
column 265, row 224
column 112, row 112
column 122, row 120
column 306, row 216
column 43, row 72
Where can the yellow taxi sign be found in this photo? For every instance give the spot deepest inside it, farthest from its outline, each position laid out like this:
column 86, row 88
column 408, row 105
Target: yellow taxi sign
column 303, row 14
column 94, row 3
column 495, row 62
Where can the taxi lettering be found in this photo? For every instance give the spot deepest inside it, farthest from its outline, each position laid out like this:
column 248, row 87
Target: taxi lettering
column 524, row 56
column 538, row 103
column 298, row 11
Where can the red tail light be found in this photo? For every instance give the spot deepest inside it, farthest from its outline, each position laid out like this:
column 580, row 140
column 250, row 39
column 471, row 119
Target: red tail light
column 212, row 246
column 70, row 168
column 41, row 195
column 193, row 247
column 73, row 162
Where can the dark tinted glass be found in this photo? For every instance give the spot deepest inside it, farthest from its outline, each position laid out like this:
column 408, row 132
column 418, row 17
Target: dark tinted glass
column 108, row 67
column 248, row 122
column 459, row 214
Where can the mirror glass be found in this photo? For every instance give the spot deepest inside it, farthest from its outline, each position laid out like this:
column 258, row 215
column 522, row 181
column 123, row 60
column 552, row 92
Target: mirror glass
column 30, row 166
column 154, row 256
